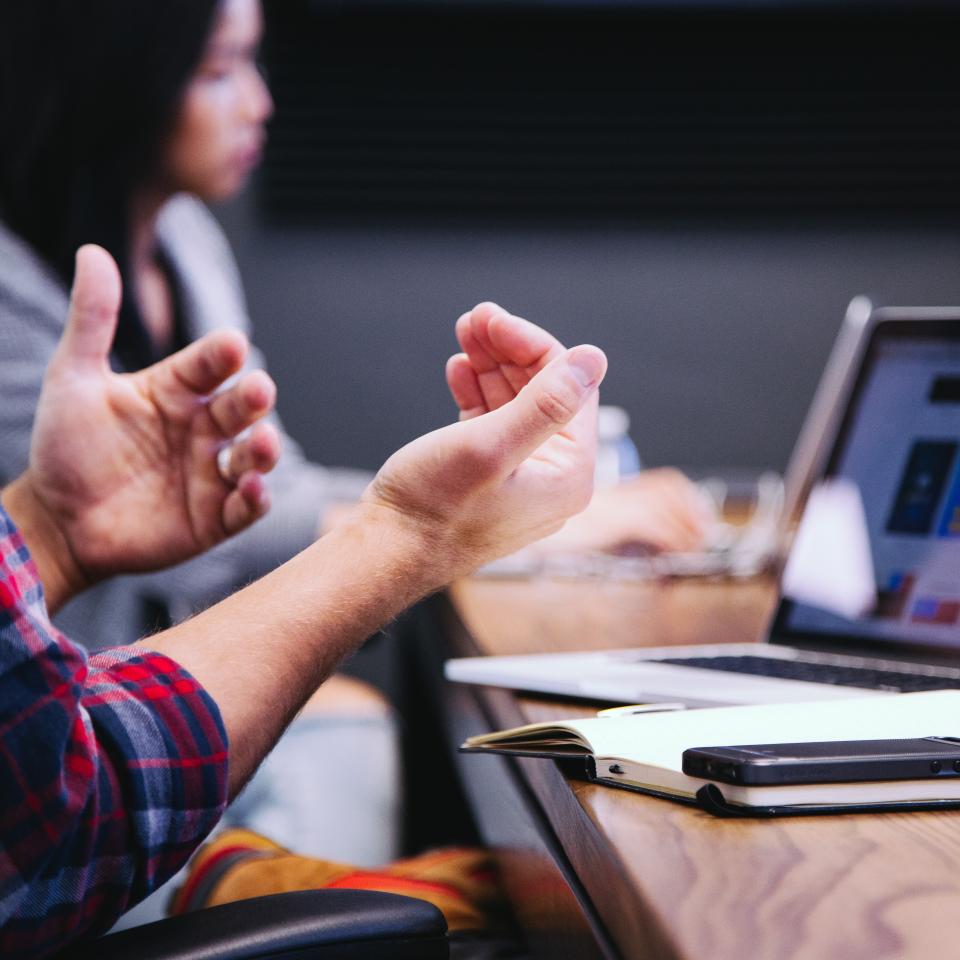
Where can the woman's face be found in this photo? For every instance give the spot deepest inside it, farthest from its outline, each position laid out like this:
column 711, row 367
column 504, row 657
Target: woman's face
column 220, row 131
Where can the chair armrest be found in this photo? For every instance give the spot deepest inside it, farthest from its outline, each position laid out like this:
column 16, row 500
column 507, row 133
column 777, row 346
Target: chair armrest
column 306, row 925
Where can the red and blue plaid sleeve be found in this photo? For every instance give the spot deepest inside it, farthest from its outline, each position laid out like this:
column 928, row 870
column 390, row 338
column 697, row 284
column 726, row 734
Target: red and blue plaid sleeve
column 112, row 771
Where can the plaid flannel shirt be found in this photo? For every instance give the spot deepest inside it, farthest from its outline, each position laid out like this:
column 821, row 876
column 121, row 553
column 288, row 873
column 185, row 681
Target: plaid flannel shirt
column 112, row 771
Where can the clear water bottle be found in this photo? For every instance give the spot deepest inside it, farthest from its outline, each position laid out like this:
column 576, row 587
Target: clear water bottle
column 617, row 456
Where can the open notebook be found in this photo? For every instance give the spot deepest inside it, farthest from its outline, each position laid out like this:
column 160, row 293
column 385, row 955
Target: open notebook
column 643, row 751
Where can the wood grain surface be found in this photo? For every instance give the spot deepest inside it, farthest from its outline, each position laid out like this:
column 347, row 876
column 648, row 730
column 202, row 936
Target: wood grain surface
column 540, row 615
column 668, row 881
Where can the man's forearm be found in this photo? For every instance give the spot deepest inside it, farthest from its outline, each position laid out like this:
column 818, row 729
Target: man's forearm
column 263, row 651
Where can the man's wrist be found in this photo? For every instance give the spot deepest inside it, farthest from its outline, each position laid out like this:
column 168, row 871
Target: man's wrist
column 410, row 549
column 61, row 575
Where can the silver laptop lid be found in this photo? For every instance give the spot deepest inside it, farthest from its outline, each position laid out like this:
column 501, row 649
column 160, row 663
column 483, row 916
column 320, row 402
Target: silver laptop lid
column 893, row 462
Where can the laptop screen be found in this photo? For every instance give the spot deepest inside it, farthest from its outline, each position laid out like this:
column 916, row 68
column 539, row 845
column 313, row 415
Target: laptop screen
column 898, row 451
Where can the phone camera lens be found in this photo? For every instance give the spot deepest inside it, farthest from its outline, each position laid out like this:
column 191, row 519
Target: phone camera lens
column 956, row 766
column 935, row 766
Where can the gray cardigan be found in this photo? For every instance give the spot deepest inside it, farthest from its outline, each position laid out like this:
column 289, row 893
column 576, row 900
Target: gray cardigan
column 33, row 307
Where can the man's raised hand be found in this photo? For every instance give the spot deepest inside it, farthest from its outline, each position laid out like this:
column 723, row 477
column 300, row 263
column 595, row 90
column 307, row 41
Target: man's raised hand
column 494, row 482
column 123, row 471
column 659, row 509
column 501, row 353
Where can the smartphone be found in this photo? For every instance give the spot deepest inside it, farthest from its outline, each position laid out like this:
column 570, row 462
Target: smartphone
column 843, row 761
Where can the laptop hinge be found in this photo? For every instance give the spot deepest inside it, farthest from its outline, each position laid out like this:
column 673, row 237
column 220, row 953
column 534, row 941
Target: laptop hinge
column 874, row 651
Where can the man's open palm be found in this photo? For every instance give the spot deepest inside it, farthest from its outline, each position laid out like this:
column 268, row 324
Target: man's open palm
column 126, row 464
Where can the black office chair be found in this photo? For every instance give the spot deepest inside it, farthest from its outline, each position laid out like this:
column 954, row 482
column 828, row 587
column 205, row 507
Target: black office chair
column 307, row 925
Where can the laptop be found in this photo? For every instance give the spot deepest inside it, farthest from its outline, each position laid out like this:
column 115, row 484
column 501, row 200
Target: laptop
column 870, row 596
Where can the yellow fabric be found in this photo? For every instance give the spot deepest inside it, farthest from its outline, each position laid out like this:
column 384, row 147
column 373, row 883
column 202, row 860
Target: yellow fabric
column 461, row 882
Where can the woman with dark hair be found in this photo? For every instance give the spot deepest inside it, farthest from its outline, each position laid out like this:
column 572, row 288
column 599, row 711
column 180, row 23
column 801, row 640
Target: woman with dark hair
column 117, row 116
column 91, row 94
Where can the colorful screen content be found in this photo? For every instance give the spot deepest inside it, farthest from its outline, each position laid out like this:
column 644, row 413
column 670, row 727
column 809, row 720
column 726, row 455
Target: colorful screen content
column 901, row 451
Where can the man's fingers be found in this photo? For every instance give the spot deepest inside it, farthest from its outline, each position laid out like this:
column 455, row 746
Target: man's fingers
column 259, row 451
column 464, row 387
column 550, row 402
column 94, row 308
column 481, row 316
column 471, row 334
column 497, row 388
column 521, row 342
column 195, row 372
column 494, row 386
column 235, row 409
column 505, row 351
column 206, row 364
column 247, row 502
column 523, row 347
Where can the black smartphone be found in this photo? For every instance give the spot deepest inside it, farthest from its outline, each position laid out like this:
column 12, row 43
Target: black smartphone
column 844, row 761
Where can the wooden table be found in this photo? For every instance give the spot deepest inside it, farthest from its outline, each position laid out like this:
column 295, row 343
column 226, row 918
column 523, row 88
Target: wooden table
column 599, row 872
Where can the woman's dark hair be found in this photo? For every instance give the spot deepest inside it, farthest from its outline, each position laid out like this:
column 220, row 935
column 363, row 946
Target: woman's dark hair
column 89, row 90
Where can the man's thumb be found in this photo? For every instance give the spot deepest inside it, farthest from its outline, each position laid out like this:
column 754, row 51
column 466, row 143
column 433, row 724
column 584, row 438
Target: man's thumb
column 94, row 308
column 550, row 402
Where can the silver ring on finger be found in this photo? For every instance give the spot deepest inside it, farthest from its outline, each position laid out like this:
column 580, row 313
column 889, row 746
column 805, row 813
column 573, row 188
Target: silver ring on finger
column 224, row 455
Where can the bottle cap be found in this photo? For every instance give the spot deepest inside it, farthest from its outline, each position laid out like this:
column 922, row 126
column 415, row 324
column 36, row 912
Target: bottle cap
column 612, row 423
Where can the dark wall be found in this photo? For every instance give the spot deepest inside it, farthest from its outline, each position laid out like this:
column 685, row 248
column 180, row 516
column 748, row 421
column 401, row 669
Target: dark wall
column 716, row 305
column 716, row 337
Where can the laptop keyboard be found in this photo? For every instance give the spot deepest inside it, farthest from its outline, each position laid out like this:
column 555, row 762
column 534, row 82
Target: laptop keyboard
column 820, row 673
